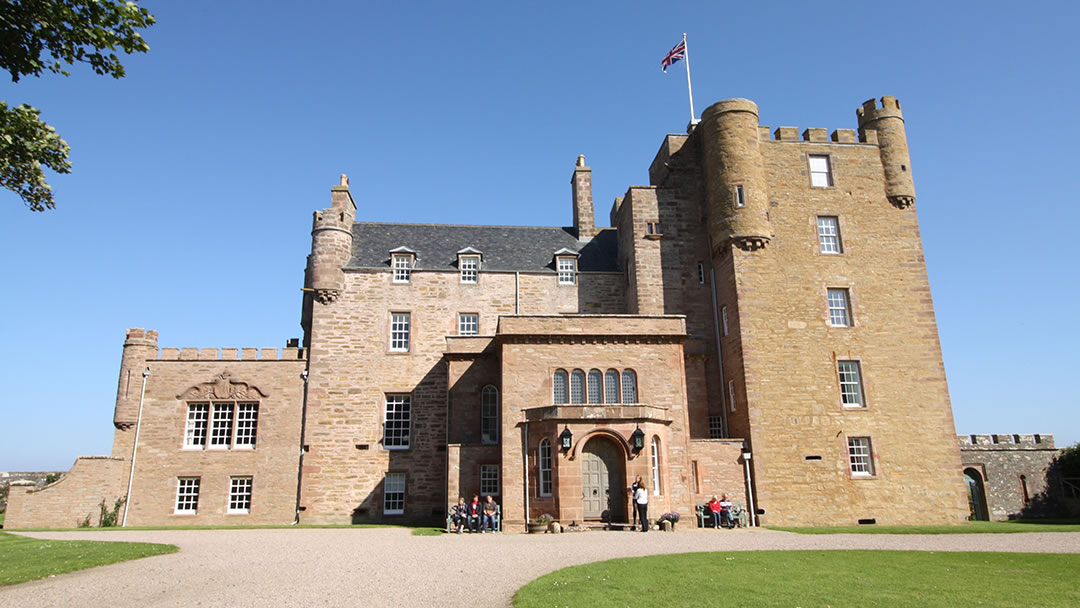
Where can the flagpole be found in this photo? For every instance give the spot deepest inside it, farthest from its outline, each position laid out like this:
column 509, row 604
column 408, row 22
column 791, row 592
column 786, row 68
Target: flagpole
column 688, row 87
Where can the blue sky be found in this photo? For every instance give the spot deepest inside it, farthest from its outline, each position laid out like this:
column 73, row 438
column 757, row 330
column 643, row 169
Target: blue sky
column 195, row 176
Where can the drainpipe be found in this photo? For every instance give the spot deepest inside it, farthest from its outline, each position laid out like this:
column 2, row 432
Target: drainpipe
column 517, row 293
column 135, row 448
column 719, row 355
column 303, row 434
column 526, row 471
column 750, row 488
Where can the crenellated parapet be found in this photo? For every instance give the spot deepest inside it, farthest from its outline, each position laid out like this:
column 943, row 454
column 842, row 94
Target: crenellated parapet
column 886, row 121
column 289, row 353
column 1013, row 441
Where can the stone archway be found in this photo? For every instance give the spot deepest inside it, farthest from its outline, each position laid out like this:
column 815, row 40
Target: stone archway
column 603, row 472
column 976, row 494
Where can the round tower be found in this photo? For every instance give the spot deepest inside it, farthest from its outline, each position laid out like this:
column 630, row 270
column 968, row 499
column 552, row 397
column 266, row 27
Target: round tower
column 736, row 189
column 888, row 123
column 331, row 244
column 140, row 346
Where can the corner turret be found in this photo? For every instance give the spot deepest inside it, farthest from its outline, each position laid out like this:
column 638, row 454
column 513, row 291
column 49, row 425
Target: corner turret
column 888, row 123
column 140, row 346
column 331, row 244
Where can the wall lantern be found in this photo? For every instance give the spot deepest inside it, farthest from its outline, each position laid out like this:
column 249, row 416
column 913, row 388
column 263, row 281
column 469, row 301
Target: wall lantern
column 566, row 438
column 637, row 440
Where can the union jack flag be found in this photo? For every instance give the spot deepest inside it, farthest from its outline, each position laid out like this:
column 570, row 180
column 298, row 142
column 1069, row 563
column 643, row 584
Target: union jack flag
column 675, row 54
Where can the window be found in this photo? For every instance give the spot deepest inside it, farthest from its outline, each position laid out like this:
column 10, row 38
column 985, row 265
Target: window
column 402, row 265
column 545, row 467
column 489, row 415
column 724, row 319
column 221, row 431
column 611, row 386
column 240, row 495
column 470, row 268
column 596, row 379
column 655, row 466
column 558, row 385
column 851, row 391
column 694, row 474
column 468, row 324
column 839, row 309
column 399, row 332
column 820, row 171
column 828, row 230
column 247, row 423
column 577, row 386
column 716, row 427
column 731, row 394
column 629, row 386
column 489, row 479
column 859, row 455
column 195, row 432
column 740, row 197
column 394, row 494
column 187, row 495
column 652, row 228
column 567, row 268
column 396, row 427
column 701, row 273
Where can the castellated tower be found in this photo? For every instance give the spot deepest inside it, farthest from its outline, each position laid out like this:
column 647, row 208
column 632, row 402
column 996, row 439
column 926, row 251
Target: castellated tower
column 737, row 194
column 331, row 244
column 140, row 346
column 888, row 123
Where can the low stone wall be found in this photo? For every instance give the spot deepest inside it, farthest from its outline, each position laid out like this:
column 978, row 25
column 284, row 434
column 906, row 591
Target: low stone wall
column 7, row 478
column 65, row 503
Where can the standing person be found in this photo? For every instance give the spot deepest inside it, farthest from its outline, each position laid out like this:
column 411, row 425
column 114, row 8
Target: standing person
column 641, row 501
column 489, row 515
column 716, row 509
column 474, row 514
column 460, row 514
column 633, row 502
column 725, row 512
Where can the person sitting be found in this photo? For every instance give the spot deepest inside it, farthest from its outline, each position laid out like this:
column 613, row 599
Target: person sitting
column 490, row 508
column 474, row 513
column 725, row 512
column 459, row 514
column 716, row 509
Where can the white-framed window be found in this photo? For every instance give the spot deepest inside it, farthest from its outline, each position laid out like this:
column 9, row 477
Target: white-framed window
column 240, row 494
column 851, row 389
column 559, row 387
column 629, row 386
column 820, row 171
column 221, row 430
column 724, row 319
column 655, row 465
column 402, row 264
column 596, row 388
column 398, row 422
column 195, row 430
column 716, row 427
column 567, row 267
column 187, row 495
column 394, row 494
column 545, row 467
column 731, row 395
column 400, row 327
column 247, row 425
column 489, row 415
column 469, row 265
column 611, row 386
column 828, row 230
column 468, row 324
column 701, row 273
column 839, row 307
column 740, row 196
column 860, row 456
column 489, row 479
column 577, row 386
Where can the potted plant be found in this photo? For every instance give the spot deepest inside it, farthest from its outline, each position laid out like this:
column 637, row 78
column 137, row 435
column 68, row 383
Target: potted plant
column 672, row 518
column 540, row 523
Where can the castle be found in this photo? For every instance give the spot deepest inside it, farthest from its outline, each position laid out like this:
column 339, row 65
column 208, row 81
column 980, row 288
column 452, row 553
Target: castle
column 757, row 322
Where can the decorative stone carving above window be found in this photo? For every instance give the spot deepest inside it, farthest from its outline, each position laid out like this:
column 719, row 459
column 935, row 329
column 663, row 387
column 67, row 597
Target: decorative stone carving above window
column 224, row 388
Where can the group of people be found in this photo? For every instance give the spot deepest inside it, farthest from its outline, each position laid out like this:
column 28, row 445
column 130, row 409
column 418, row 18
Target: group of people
column 476, row 516
column 721, row 512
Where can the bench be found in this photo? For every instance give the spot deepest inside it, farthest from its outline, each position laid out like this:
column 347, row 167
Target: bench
column 739, row 517
column 450, row 519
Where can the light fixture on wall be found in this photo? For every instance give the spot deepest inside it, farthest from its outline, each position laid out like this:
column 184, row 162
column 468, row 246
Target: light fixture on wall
column 566, row 438
column 637, row 440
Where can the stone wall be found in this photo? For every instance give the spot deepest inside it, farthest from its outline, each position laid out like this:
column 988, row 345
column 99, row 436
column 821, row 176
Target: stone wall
column 74, row 498
column 1014, row 471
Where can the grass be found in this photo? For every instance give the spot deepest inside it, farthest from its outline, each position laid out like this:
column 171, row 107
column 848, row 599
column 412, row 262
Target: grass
column 1, row 520
column 813, row 578
column 263, row 527
column 974, row 527
column 424, row 531
column 26, row 559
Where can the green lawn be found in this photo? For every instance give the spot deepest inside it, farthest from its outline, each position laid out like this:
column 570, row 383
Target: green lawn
column 263, row 527
column 813, row 578
column 975, row 527
column 26, row 559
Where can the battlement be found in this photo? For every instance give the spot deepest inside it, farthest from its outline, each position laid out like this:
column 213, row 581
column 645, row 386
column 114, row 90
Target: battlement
column 872, row 110
column 816, row 135
column 329, row 219
column 289, row 353
column 1015, row 441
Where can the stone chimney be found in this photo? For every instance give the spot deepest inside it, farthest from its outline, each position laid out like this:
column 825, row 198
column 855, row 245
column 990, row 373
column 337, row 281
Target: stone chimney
column 581, row 183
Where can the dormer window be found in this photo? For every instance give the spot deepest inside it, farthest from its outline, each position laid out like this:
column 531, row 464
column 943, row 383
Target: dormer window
column 402, row 261
column 469, row 265
column 566, row 266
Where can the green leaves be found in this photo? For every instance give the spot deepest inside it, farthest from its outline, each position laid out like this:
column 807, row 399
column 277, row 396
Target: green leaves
column 27, row 143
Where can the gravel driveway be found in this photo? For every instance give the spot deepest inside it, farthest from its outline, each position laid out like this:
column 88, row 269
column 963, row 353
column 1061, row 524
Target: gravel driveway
column 390, row 567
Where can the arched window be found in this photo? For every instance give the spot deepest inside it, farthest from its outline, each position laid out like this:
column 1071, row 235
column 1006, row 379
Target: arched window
column 611, row 386
column 577, row 386
column 629, row 386
column 596, row 379
column 558, row 384
column 489, row 415
column 655, row 465
column 545, row 467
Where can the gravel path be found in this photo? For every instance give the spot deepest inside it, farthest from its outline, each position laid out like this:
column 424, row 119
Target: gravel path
column 390, row 567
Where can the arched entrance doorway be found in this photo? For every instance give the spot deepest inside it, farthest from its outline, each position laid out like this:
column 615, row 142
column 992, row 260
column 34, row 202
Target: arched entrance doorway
column 976, row 494
column 602, row 475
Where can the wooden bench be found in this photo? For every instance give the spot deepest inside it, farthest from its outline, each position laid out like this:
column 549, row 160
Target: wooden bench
column 450, row 519
column 739, row 517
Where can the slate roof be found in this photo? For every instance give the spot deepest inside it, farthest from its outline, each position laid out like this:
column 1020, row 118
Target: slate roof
column 511, row 248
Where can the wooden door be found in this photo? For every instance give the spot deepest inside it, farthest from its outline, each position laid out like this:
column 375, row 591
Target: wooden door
column 601, row 479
